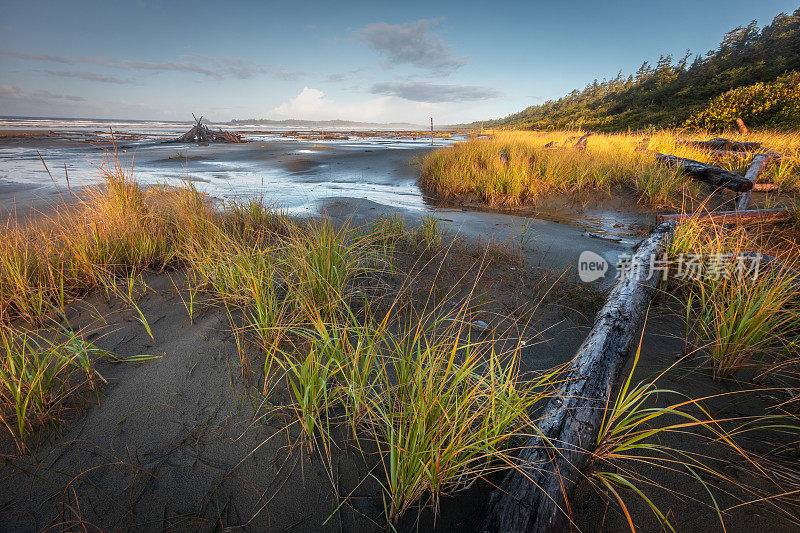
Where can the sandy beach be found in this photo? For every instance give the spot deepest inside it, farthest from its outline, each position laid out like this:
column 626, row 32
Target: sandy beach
column 185, row 442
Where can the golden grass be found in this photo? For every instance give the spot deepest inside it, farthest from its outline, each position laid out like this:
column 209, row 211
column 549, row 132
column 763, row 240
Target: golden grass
column 442, row 407
column 738, row 311
column 512, row 168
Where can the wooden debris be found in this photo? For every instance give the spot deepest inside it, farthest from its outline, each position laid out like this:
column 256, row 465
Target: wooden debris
column 718, row 143
column 752, row 216
column 741, row 126
column 758, row 164
column 583, row 142
column 202, row 135
column 534, row 495
column 765, row 187
column 709, row 173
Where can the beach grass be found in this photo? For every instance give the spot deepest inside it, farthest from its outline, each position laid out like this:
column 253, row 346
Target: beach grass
column 740, row 312
column 443, row 405
column 515, row 168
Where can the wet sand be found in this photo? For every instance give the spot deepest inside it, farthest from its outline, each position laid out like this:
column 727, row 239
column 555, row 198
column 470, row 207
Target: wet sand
column 364, row 177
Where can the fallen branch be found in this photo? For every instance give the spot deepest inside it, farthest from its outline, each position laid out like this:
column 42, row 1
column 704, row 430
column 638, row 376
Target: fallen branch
column 752, row 216
column 758, row 164
column 719, row 143
column 534, row 495
column 583, row 142
column 709, row 173
column 765, row 187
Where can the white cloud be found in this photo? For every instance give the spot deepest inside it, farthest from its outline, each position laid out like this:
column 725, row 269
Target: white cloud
column 312, row 104
column 14, row 93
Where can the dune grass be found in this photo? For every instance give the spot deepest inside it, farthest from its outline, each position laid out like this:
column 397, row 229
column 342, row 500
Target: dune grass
column 513, row 168
column 738, row 311
column 646, row 427
column 442, row 407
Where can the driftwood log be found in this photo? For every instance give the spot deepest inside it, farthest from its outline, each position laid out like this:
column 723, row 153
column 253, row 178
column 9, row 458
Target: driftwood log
column 534, row 495
column 583, row 142
column 752, row 216
column 202, row 134
column 741, row 126
column 709, row 173
column 719, row 143
column 765, row 187
column 759, row 163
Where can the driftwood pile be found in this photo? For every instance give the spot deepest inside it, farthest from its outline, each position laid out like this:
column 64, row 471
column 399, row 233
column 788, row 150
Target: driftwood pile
column 203, row 135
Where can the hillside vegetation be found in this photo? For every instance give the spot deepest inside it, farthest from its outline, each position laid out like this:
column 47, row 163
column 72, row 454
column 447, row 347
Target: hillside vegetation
column 752, row 73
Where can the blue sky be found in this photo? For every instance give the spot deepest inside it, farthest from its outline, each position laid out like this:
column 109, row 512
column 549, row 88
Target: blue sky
column 371, row 61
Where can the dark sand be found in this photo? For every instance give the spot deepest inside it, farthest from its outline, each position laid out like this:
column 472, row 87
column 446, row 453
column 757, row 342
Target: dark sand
column 183, row 442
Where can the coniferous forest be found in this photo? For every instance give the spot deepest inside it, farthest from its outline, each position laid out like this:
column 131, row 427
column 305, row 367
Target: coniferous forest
column 752, row 74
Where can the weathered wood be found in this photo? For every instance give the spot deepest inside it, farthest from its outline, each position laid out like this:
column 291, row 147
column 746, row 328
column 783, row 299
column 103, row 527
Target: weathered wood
column 741, row 126
column 752, row 216
column 202, row 135
column 759, row 162
column 765, row 187
column 583, row 142
column 534, row 495
column 709, row 173
column 719, row 143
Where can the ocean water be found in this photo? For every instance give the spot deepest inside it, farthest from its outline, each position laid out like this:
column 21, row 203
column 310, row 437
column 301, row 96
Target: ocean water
column 288, row 171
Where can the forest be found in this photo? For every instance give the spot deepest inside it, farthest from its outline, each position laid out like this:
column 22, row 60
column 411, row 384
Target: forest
column 752, row 74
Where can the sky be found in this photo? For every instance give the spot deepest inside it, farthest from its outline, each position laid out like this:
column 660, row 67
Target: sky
column 366, row 61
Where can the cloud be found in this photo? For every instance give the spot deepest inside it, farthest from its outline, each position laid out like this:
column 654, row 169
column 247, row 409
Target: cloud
column 338, row 77
column 213, row 67
column 89, row 76
column 312, row 104
column 309, row 103
column 96, row 60
column 289, row 75
column 14, row 93
column 412, row 43
column 433, row 93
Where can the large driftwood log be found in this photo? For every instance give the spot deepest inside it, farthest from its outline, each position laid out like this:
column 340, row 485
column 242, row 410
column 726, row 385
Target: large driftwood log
column 719, row 143
column 534, row 495
column 752, row 216
column 759, row 162
column 709, row 173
